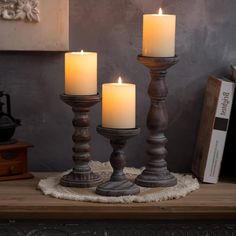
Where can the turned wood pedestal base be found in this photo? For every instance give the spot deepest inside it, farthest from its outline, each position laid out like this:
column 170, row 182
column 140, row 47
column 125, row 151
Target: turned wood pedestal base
column 156, row 173
column 117, row 188
column 80, row 179
column 81, row 176
column 119, row 184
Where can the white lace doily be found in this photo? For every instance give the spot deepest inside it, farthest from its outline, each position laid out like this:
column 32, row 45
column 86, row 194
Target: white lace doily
column 185, row 185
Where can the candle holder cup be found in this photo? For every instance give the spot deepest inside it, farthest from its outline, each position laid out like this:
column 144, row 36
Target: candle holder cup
column 119, row 184
column 156, row 173
column 81, row 175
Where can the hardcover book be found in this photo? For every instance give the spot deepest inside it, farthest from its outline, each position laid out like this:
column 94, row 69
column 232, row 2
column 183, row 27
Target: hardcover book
column 213, row 129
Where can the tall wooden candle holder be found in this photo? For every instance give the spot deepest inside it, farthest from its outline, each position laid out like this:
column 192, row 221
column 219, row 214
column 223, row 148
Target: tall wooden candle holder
column 118, row 185
column 156, row 173
column 81, row 176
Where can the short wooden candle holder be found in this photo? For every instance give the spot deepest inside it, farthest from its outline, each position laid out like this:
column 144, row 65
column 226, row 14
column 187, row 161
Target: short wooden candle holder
column 156, row 173
column 81, row 176
column 118, row 185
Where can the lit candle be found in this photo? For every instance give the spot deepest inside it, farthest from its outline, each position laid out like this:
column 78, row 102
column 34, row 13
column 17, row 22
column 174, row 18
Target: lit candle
column 159, row 35
column 118, row 105
column 81, row 73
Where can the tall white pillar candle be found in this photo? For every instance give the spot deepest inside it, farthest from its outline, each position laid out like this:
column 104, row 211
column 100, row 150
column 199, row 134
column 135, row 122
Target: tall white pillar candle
column 159, row 35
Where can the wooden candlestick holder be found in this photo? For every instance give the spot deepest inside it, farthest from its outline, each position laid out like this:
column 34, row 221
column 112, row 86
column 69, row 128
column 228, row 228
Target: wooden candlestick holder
column 118, row 185
column 156, row 173
column 81, row 176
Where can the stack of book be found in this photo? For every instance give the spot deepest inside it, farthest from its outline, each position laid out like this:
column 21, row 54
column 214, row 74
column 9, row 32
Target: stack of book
column 213, row 128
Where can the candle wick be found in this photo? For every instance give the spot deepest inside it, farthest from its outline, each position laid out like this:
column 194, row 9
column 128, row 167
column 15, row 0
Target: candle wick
column 119, row 80
column 160, row 11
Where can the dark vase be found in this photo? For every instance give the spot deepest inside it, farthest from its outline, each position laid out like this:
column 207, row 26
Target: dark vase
column 8, row 124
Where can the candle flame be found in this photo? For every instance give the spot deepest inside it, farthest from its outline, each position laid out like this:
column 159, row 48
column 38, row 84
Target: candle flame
column 119, row 80
column 160, row 12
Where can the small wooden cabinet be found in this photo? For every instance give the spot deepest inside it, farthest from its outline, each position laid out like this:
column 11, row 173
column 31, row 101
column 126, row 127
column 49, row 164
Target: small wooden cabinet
column 13, row 161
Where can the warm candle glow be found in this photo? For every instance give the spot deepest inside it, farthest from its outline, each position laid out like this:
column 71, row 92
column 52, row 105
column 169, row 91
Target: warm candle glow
column 119, row 80
column 118, row 105
column 81, row 73
column 159, row 35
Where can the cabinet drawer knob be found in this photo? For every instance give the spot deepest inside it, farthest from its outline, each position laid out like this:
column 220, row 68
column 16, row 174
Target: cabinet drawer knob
column 13, row 170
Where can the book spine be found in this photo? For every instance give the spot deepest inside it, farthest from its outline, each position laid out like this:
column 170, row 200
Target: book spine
column 219, row 132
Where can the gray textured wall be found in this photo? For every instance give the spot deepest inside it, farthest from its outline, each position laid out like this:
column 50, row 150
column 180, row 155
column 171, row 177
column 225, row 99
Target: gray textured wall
column 206, row 43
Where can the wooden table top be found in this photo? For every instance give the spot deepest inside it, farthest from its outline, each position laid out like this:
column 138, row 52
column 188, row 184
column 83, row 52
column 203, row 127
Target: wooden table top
column 21, row 200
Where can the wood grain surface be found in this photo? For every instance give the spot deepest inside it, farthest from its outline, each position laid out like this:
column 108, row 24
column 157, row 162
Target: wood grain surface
column 21, row 200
